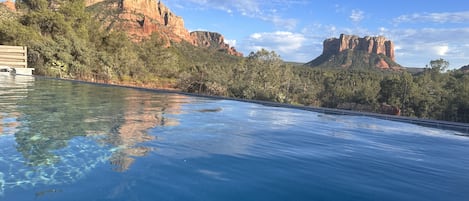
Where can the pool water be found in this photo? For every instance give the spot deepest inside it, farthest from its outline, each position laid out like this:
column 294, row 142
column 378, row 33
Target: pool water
column 62, row 140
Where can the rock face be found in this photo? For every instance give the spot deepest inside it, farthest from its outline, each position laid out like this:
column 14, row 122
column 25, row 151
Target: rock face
column 10, row 5
column 465, row 69
column 375, row 45
column 353, row 50
column 141, row 18
column 214, row 41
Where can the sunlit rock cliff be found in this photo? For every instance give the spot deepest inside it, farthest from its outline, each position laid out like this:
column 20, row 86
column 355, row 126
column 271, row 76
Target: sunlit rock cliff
column 10, row 5
column 141, row 18
column 350, row 51
column 213, row 40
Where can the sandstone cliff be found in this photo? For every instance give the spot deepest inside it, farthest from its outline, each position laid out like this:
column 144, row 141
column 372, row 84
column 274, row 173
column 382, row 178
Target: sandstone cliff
column 214, row 41
column 352, row 51
column 141, row 18
column 9, row 4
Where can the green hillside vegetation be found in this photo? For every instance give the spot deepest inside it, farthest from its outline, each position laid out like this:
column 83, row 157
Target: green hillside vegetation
column 65, row 41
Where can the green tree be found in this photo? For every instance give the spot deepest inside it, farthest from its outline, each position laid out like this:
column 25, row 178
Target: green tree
column 33, row 4
column 396, row 90
column 439, row 65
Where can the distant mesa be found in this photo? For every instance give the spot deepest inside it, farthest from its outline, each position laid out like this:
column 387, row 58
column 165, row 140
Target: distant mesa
column 350, row 51
column 141, row 18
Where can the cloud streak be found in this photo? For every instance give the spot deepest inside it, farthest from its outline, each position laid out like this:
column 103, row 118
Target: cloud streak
column 285, row 43
column 444, row 17
column 259, row 9
column 357, row 15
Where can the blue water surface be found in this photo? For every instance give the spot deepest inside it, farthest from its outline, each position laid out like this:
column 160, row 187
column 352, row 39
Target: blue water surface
column 64, row 140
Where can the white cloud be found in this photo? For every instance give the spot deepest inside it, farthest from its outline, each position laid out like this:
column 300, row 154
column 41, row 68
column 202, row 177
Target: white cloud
column 248, row 7
column 357, row 15
column 434, row 49
column 259, row 9
column 232, row 43
column 444, row 17
column 417, row 47
column 256, row 36
column 288, row 24
column 284, row 43
column 441, row 50
column 339, row 8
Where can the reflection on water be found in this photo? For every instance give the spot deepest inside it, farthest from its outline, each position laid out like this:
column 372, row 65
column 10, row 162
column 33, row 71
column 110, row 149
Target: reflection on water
column 72, row 110
column 46, row 119
column 8, row 103
column 140, row 113
column 63, row 140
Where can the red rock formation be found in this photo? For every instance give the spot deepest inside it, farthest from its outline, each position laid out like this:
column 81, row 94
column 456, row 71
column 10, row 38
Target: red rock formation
column 349, row 51
column 214, row 41
column 141, row 18
column 376, row 45
column 381, row 63
column 10, row 5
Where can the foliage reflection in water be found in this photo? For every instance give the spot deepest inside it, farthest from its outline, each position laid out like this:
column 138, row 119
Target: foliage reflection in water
column 54, row 132
column 64, row 140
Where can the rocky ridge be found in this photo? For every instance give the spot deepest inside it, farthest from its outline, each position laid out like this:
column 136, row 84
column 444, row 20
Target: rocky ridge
column 213, row 40
column 350, row 51
column 141, row 18
column 465, row 69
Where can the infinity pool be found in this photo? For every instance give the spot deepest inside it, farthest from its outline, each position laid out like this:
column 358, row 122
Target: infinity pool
column 63, row 140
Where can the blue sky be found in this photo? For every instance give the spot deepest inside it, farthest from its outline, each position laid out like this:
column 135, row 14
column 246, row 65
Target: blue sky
column 422, row 30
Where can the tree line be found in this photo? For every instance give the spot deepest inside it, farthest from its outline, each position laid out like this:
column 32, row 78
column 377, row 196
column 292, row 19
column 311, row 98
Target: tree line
column 65, row 41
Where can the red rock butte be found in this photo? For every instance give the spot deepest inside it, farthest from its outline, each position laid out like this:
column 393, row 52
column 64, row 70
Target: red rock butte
column 350, row 51
column 376, row 45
